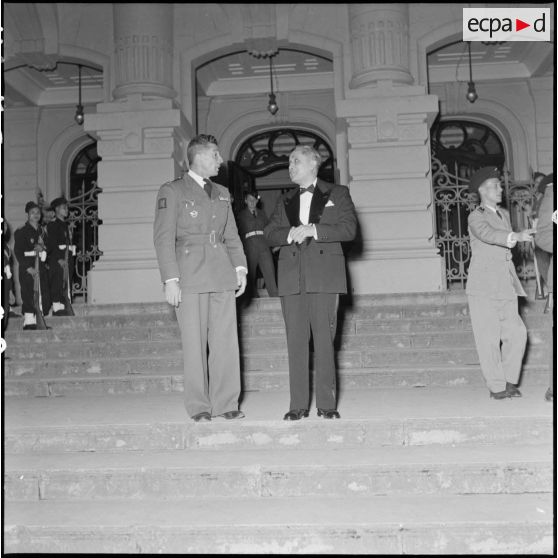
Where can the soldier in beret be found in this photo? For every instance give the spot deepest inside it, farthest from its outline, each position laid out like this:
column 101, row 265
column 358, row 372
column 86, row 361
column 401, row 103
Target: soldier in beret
column 59, row 256
column 493, row 287
column 27, row 243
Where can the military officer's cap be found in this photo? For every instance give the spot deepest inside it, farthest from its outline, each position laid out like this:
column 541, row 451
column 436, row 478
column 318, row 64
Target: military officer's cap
column 476, row 180
column 58, row 201
column 30, row 205
column 548, row 179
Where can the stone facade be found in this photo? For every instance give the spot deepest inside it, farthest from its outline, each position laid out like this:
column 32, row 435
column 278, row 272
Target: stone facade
column 375, row 110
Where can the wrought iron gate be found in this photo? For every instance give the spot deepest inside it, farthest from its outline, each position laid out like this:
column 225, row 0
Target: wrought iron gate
column 83, row 216
column 453, row 205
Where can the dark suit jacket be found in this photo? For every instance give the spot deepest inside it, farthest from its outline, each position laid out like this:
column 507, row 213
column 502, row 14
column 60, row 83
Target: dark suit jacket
column 322, row 260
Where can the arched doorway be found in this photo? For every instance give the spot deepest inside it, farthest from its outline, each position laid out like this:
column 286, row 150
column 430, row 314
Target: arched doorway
column 262, row 162
column 460, row 147
column 83, row 215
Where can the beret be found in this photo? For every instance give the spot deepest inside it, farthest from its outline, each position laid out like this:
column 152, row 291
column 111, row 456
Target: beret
column 548, row 179
column 476, row 180
column 30, row 205
column 58, row 201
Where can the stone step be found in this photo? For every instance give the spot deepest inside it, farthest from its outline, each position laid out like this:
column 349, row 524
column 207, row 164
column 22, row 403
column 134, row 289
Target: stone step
column 469, row 525
column 348, row 379
column 278, row 473
column 153, row 361
column 370, row 418
column 94, row 342
column 412, row 317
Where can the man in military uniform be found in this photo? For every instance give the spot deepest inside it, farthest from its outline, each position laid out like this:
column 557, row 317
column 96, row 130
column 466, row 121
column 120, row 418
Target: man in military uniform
column 202, row 263
column 27, row 244
column 59, row 257
column 493, row 287
column 251, row 223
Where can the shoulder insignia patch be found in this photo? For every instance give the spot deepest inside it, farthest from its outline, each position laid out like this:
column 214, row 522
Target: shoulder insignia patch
column 162, row 203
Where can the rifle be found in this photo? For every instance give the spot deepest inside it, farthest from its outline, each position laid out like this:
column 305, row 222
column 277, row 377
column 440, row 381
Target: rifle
column 539, row 294
column 66, row 286
column 36, row 296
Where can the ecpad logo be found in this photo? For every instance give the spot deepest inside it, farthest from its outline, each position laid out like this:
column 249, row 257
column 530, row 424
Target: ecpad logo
column 506, row 24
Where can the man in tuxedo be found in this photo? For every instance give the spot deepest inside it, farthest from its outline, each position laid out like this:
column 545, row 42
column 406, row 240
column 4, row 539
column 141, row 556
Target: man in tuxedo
column 309, row 223
column 493, row 287
column 202, row 263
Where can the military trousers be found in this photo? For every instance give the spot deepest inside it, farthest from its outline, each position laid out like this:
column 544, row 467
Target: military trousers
column 209, row 336
column 500, row 337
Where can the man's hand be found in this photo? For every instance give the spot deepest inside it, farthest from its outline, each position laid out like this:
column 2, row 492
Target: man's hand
column 241, row 281
column 523, row 236
column 31, row 271
column 173, row 294
column 300, row 233
column 63, row 264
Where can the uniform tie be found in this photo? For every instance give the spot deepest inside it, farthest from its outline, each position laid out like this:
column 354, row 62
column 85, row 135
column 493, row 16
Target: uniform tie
column 207, row 186
column 499, row 214
column 309, row 189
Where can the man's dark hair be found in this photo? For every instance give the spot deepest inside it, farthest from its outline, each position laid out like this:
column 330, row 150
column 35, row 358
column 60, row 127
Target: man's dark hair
column 198, row 143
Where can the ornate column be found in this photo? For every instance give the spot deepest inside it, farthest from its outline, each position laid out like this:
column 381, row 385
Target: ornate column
column 140, row 135
column 388, row 120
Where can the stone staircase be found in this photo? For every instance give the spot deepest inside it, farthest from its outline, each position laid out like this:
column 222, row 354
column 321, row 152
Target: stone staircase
column 99, row 455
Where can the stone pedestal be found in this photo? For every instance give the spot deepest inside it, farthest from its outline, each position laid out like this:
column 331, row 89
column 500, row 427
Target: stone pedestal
column 141, row 145
column 389, row 166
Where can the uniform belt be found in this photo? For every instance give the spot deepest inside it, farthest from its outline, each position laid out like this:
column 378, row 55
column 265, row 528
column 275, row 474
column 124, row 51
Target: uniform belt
column 253, row 233
column 203, row 238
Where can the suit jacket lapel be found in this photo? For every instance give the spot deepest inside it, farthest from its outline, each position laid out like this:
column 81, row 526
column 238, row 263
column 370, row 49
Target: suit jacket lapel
column 319, row 200
column 292, row 207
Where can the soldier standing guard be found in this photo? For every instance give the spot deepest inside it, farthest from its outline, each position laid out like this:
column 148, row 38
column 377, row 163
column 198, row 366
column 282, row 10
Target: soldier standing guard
column 493, row 287
column 251, row 223
column 28, row 243
column 59, row 248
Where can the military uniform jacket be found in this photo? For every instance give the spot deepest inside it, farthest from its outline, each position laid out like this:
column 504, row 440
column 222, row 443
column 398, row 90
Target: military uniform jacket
column 195, row 237
column 491, row 272
column 25, row 240
column 57, row 239
column 322, row 261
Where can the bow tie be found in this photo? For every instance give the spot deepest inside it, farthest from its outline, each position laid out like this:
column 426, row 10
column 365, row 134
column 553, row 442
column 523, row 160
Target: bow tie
column 309, row 189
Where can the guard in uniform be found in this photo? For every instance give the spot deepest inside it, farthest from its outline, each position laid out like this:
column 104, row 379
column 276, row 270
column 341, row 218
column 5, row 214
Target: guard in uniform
column 493, row 287
column 202, row 263
column 27, row 243
column 251, row 222
column 60, row 252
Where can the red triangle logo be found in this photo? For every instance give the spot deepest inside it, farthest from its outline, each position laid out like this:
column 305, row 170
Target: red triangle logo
column 519, row 25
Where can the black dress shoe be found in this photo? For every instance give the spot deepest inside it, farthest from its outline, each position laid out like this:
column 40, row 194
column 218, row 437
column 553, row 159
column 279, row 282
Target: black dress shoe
column 232, row 415
column 500, row 395
column 549, row 395
column 328, row 413
column 30, row 326
column 60, row 313
column 296, row 414
column 202, row 417
column 512, row 390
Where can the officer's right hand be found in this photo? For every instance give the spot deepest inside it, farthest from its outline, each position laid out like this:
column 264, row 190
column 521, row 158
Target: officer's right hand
column 31, row 271
column 173, row 294
column 63, row 264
